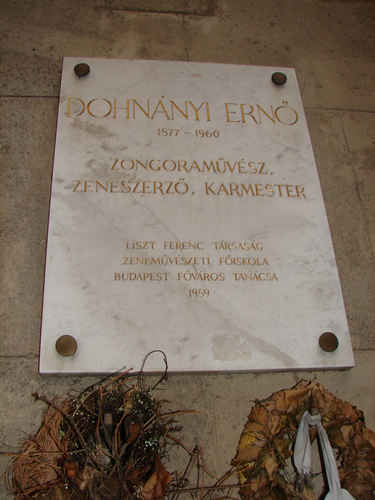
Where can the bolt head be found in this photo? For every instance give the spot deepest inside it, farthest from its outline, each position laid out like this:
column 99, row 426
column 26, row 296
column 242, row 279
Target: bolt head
column 81, row 69
column 278, row 78
column 328, row 342
column 66, row 345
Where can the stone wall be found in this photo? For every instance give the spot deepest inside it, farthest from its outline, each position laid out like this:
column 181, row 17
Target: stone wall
column 330, row 43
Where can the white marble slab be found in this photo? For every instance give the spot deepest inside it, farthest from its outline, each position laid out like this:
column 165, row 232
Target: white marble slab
column 187, row 215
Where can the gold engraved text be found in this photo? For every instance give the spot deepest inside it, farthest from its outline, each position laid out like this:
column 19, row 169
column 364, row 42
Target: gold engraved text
column 183, row 245
column 254, row 276
column 166, row 260
column 238, row 245
column 119, row 276
column 255, row 190
column 230, row 260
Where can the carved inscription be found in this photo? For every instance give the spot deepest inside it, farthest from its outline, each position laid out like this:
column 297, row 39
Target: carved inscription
column 201, row 265
column 168, row 109
column 250, row 265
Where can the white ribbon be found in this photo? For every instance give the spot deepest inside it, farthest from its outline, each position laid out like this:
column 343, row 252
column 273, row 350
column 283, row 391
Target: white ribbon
column 302, row 456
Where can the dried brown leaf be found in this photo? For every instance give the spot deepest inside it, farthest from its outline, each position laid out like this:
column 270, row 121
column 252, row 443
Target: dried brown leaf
column 271, row 465
column 156, row 485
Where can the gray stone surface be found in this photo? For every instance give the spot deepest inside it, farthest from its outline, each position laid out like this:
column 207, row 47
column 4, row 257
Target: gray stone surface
column 331, row 43
column 350, row 215
column 359, row 130
column 27, row 143
column 319, row 39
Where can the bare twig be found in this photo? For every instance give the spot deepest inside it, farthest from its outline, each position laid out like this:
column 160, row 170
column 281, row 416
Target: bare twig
column 141, row 373
column 223, row 478
column 208, row 488
column 181, row 480
column 180, row 443
column 197, row 452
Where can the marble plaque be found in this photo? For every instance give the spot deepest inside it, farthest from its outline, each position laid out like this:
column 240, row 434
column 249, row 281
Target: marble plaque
column 187, row 215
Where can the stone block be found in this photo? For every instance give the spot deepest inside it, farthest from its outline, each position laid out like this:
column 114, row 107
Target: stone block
column 349, row 218
column 28, row 134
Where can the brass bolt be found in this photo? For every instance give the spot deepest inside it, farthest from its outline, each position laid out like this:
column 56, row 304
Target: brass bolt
column 66, row 345
column 278, row 78
column 81, row 69
column 328, row 342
